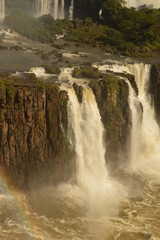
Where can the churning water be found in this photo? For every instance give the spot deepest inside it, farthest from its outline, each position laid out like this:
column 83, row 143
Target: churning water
column 94, row 205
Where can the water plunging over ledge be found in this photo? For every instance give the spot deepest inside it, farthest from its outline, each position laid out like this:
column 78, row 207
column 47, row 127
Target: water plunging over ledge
column 55, row 8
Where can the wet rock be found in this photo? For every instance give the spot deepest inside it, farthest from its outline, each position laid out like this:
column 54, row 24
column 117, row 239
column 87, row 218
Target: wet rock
column 3, row 48
column 79, row 91
column 33, row 125
column 17, row 48
column 112, row 98
column 52, row 69
column 155, row 88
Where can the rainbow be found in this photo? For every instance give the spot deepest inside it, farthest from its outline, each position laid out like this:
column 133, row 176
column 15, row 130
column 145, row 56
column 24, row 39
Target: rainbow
column 21, row 206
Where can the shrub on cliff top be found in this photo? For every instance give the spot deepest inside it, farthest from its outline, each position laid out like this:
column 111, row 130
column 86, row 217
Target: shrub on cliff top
column 111, row 82
column 86, row 72
column 52, row 70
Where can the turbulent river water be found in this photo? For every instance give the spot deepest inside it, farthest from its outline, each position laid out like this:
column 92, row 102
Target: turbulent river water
column 124, row 206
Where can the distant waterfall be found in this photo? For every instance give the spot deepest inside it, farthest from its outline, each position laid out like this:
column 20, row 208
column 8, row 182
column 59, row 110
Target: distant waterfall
column 61, row 10
column 2, row 10
column 71, row 10
column 53, row 7
column 42, row 7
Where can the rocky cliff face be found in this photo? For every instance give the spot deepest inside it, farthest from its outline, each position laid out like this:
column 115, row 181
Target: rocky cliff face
column 34, row 147
column 155, row 88
column 33, row 122
column 87, row 8
column 113, row 104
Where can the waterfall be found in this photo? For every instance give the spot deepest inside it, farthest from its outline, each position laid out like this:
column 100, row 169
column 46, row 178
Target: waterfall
column 2, row 10
column 86, row 135
column 71, row 10
column 42, row 7
column 53, row 7
column 144, row 147
column 88, row 132
column 61, row 10
column 148, row 133
column 136, row 117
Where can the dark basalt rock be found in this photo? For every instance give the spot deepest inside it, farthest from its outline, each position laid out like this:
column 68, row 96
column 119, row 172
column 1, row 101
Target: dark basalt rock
column 33, row 126
column 112, row 100
column 79, row 91
column 87, row 8
column 155, row 88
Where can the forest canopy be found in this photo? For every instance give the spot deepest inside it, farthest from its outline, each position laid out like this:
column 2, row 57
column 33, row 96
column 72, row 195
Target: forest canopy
column 121, row 30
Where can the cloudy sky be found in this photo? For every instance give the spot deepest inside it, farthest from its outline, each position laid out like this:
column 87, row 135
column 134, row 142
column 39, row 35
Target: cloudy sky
column 136, row 3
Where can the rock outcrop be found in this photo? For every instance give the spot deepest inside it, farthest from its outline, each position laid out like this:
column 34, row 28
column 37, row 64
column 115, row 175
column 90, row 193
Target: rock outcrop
column 155, row 88
column 112, row 100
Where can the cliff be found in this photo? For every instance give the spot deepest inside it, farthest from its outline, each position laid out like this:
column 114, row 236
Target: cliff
column 155, row 88
column 33, row 120
column 34, row 148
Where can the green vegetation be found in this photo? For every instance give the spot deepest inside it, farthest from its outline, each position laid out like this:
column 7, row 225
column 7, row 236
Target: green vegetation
column 112, row 82
column 139, row 29
column 122, row 30
column 6, row 87
column 52, row 70
column 86, row 72
column 2, row 36
column 43, row 29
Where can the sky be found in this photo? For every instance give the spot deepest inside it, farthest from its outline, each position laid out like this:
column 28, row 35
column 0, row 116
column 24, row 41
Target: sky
column 136, row 3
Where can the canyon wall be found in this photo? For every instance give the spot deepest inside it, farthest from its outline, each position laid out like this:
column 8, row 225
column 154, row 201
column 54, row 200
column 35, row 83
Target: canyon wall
column 34, row 147
column 155, row 88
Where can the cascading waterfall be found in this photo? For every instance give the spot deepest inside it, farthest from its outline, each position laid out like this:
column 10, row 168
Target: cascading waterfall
column 149, row 146
column 2, row 10
column 86, row 133
column 145, row 133
column 61, row 10
column 71, row 10
column 136, row 117
column 42, row 7
column 53, row 7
